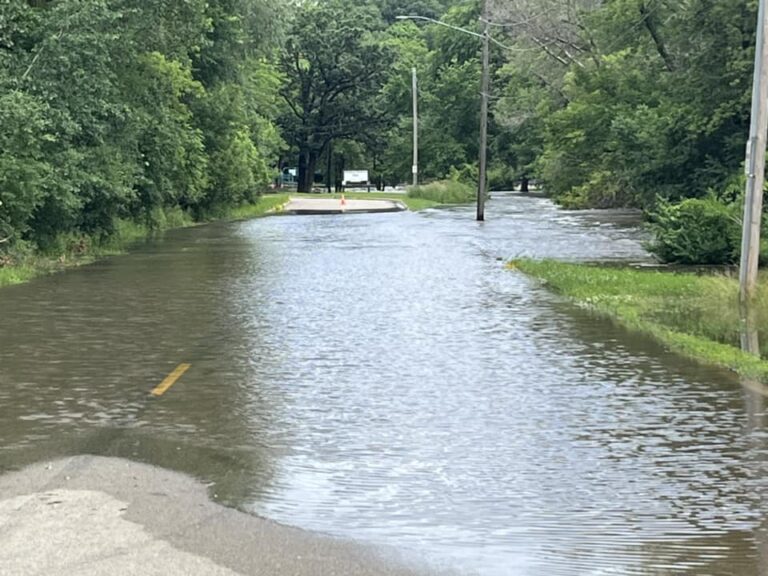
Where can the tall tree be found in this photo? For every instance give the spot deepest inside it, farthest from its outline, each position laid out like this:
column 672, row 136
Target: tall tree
column 335, row 65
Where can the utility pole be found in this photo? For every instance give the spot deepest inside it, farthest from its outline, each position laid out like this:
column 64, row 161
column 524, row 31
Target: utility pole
column 484, row 88
column 755, row 164
column 415, row 167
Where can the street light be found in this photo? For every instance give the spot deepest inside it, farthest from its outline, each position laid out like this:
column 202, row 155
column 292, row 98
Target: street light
column 481, row 185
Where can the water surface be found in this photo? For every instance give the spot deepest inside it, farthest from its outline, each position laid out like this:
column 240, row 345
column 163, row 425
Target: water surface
column 385, row 378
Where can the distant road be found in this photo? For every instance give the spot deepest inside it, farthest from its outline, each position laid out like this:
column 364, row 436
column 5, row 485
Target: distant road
column 337, row 206
column 104, row 516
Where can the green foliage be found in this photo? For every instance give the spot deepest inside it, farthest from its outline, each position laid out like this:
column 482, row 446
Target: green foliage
column 444, row 192
column 266, row 204
column 641, row 99
column 335, row 65
column 696, row 231
column 466, row 174
column 502, row 177
column 23, row 169
column 391, row 9
column 121, row 111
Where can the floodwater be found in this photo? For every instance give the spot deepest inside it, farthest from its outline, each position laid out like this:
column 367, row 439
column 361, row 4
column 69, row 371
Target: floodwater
column 385, row 378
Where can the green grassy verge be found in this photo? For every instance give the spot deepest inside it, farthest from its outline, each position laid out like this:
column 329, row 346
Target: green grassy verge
column 693, row 315
column 18, row 274
column 444, row 192
column 75, row 251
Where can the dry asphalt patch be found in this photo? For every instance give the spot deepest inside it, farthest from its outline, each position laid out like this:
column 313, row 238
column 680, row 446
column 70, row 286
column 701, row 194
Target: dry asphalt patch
column 93, row 516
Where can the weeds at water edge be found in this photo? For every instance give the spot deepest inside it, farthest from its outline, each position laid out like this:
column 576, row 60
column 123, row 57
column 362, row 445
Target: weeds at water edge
column 692, row 314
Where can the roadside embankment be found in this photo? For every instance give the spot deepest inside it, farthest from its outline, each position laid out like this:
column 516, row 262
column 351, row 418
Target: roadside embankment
column 697, row 315
column 79, row 250
column 92, row 515
column 443, row 192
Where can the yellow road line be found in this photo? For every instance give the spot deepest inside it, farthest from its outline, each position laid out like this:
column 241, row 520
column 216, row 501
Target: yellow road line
column 170, row 380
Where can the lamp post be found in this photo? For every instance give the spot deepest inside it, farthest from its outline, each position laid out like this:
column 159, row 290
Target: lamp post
column 484, row 88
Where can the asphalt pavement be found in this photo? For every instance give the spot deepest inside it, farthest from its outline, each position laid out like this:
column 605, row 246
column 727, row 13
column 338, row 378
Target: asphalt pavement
column 339, row 206
column 93, row 516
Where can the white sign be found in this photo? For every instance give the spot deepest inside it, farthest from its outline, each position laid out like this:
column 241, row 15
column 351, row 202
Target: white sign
column 355, row 177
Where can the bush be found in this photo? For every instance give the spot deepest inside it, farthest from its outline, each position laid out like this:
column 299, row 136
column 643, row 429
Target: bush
column 444, row 192
column 696, row 231
column 502, row 177
column 467, row 174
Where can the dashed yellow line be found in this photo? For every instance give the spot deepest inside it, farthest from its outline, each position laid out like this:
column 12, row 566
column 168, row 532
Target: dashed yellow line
column 170, row 380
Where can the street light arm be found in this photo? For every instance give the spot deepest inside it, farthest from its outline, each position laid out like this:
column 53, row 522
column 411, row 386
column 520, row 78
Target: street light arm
column 451, row 26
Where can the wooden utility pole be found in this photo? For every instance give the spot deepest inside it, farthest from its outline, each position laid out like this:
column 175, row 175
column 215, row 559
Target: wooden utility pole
column 415, row 167
column 755, row 164
column 484, row 87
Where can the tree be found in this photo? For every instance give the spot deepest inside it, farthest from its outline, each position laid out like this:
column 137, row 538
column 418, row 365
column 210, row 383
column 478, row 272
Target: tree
column 126, row 109
column 335, row 65
column 638, row 99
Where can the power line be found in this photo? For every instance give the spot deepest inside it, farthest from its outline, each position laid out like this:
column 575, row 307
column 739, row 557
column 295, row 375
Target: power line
column 514, row 24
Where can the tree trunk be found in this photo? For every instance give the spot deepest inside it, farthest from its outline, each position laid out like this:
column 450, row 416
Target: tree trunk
column 311, row 167
column 653, row 30
column 301, row 176
column 307, row 164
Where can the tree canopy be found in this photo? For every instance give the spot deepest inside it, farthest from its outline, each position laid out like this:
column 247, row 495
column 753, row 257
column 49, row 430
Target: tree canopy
column 126, row 109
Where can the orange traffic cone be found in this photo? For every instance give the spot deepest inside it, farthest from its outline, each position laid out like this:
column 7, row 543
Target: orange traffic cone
column 343, row 200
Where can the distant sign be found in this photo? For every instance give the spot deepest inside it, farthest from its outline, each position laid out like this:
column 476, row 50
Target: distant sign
column 355, row 177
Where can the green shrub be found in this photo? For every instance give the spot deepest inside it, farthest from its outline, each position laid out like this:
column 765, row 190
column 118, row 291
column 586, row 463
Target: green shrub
column 502, row 177
column 466, row 174
column 696, row 231
column 444, row 192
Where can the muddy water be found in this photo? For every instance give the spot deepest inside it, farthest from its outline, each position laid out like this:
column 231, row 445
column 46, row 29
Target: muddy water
column 385, row 378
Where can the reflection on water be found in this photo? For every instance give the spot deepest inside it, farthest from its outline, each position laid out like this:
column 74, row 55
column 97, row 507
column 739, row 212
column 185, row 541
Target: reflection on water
column 755, row 394
column 385, row 378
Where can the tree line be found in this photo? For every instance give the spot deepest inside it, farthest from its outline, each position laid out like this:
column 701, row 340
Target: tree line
column 116, row 110
column 130, row 109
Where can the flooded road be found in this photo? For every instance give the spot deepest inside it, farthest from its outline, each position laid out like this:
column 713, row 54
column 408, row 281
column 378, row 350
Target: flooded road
column 385, row 378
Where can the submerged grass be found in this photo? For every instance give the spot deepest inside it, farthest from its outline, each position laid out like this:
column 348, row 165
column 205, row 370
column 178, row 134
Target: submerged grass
column 266, row 204
column 696, row 315
column 71, row 250
column 18, row 274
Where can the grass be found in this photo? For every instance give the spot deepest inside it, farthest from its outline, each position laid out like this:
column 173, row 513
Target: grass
column 444, row 192
column 696, row 315
column 75, row 250
column 266, row 204
column 18, row 274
